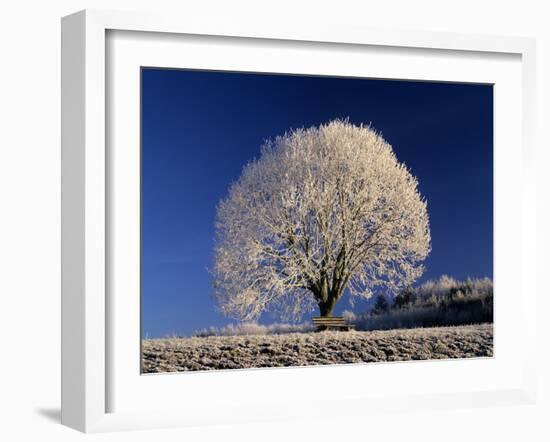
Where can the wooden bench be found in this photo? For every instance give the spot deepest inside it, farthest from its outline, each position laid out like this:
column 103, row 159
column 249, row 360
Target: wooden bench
column 331, row 323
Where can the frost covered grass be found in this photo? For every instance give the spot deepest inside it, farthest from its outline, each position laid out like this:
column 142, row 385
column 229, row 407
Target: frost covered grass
column 252, row 328
column 324, row 348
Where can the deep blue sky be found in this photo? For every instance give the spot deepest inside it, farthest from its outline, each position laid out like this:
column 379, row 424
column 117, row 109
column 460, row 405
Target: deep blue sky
column 200, row 128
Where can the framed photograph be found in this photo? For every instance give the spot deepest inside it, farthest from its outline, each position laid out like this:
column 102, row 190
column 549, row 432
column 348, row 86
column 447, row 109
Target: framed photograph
column 260, row 222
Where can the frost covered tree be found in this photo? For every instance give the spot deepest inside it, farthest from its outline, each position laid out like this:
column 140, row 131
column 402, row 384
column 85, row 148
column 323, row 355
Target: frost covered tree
column 322, row 210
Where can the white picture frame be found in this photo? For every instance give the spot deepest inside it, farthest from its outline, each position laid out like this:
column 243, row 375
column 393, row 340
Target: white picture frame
column 87, row 315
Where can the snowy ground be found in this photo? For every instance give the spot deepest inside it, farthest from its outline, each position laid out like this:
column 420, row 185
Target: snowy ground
column 299, row 349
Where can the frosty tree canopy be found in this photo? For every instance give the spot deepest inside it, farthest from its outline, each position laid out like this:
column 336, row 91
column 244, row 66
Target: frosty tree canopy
column 322, row 210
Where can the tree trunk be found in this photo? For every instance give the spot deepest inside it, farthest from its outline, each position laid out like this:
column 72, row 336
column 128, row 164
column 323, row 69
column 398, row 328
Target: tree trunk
column 326, row 307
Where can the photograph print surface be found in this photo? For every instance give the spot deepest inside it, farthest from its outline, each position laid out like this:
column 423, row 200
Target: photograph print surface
column 291, row 220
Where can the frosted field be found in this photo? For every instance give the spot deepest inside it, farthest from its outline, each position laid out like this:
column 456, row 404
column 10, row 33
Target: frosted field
column 298, row 349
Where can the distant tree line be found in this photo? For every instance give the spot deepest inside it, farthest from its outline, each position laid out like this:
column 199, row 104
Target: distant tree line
column 441, row 302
